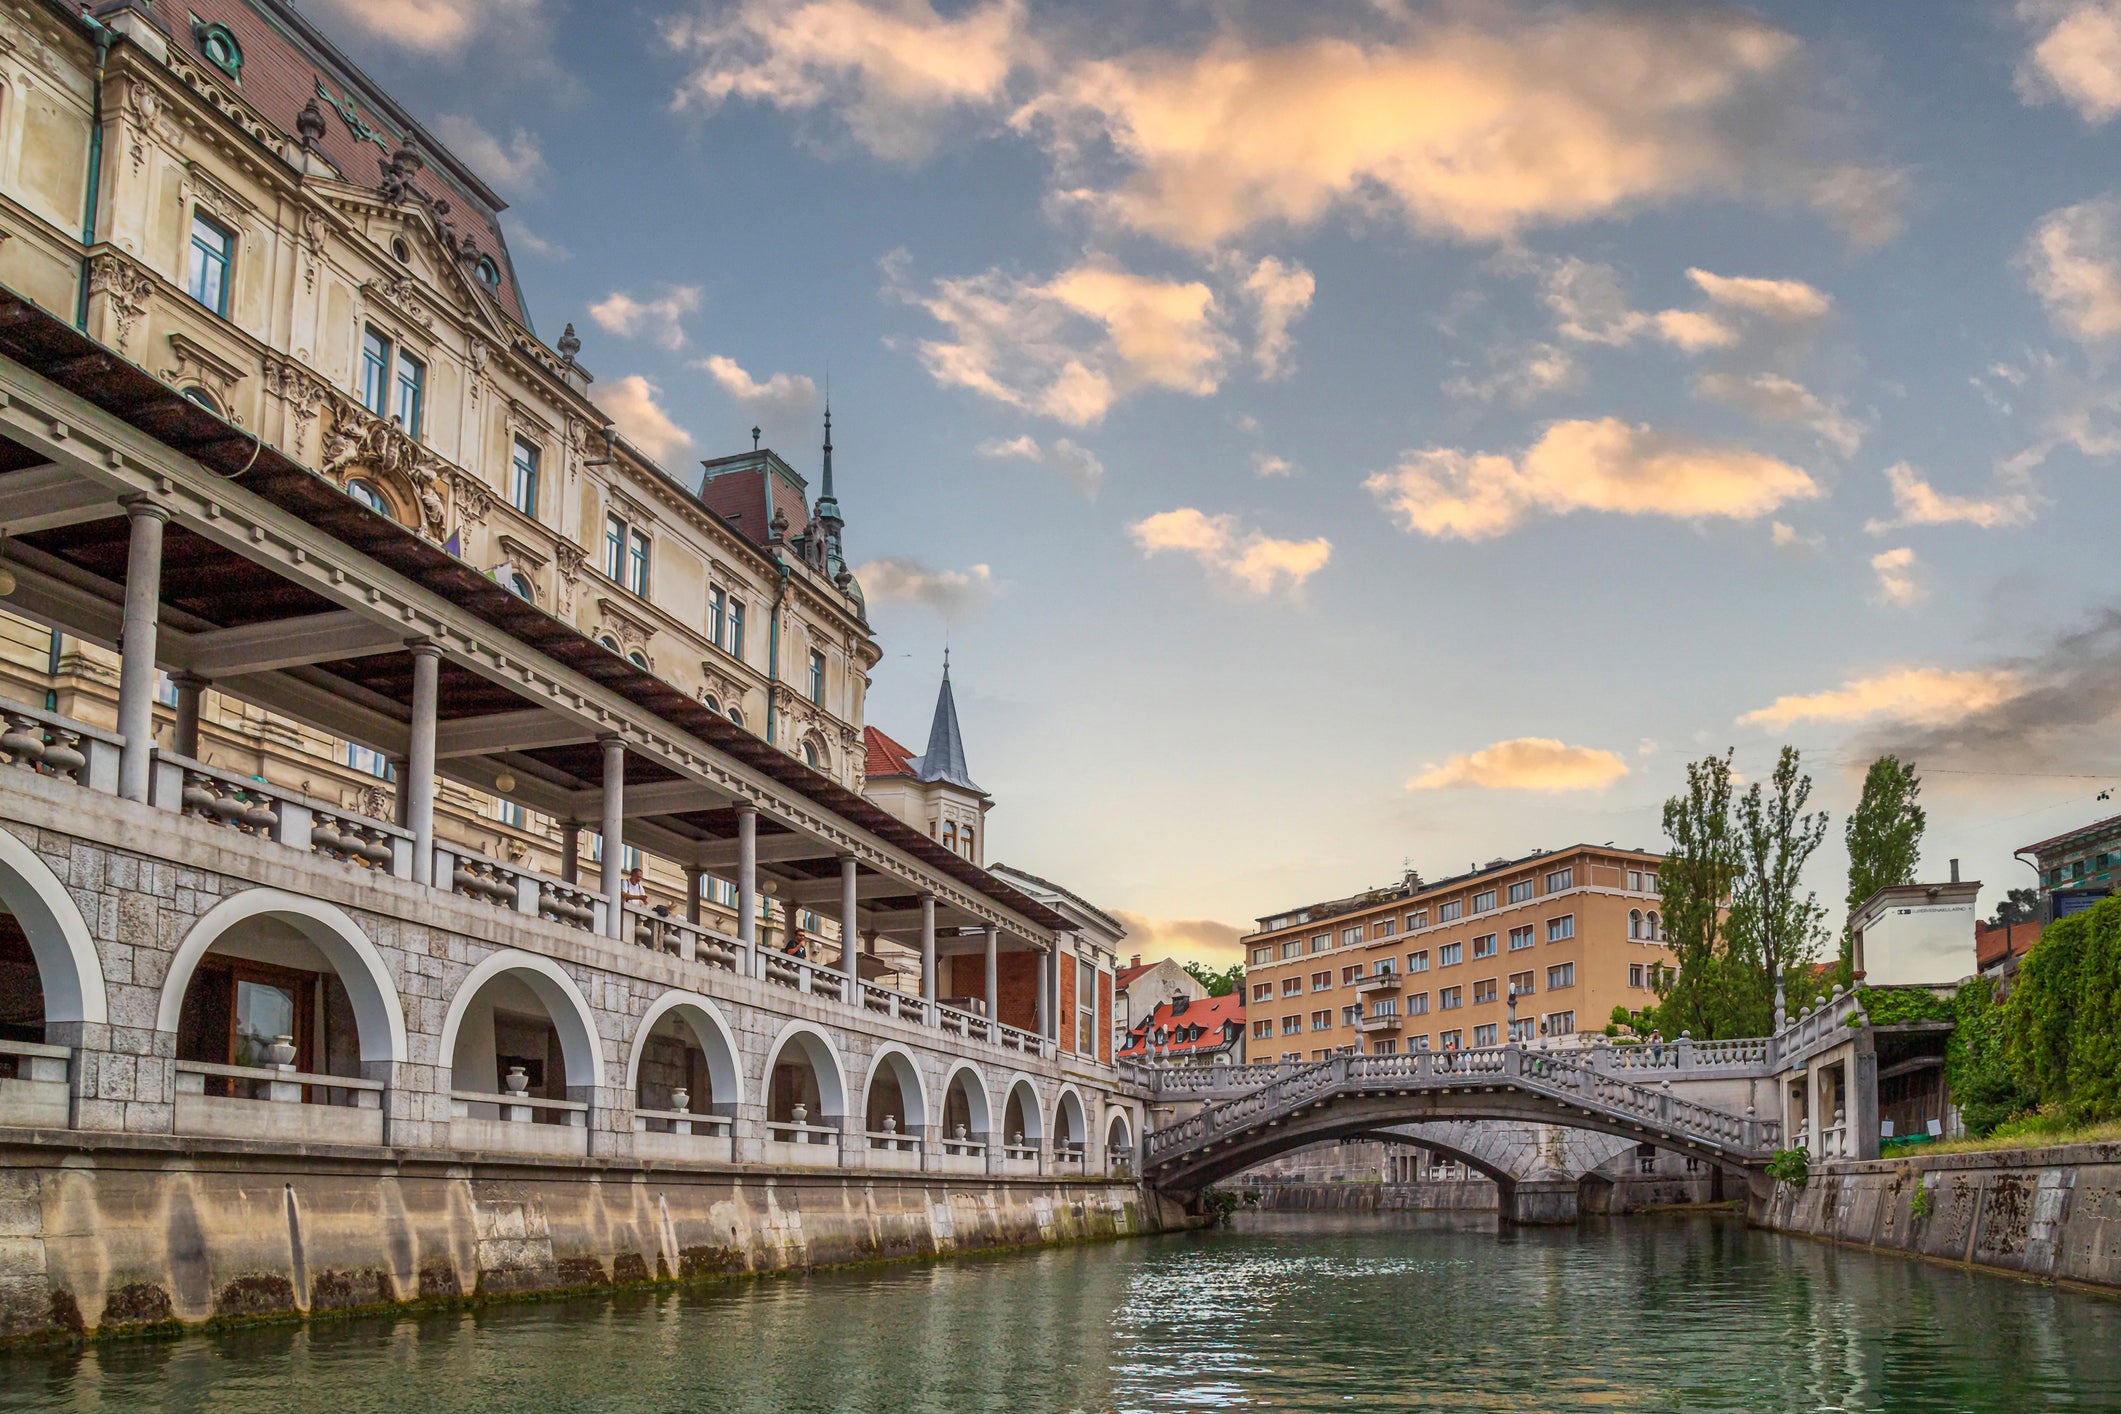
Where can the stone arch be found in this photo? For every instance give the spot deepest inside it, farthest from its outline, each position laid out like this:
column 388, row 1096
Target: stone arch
column 1119, row 1134
column 379, row 1021
column 814, row 1050
column 1023, row 1112
column 965, row 1101
column 814, row 751
column 564, row 1006
column 716, row 1041
column 1071, row 1122
column 68, row 969
column 894, row 1068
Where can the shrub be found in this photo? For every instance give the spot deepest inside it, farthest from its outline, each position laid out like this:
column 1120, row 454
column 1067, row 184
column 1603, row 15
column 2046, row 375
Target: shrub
column 1791, row 1166
column 1976, row 1065
column 2062, row 1029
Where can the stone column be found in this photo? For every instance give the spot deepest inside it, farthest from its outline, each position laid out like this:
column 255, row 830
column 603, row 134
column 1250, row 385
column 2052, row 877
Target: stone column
column 1043, row 1005
column 694, row 877
column 571, row 851
column 136, row 644
column 398, row 805
column 747, row 887
column 928, row 954
column 994, row 974
column 185, row 739
column 850, row 926
column 614, row 870
column 419, row 782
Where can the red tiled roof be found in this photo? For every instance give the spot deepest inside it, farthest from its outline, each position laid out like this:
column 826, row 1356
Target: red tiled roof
column 1126, row 975
column 1209, row 1013
column 1994, row 942
column 886, row 757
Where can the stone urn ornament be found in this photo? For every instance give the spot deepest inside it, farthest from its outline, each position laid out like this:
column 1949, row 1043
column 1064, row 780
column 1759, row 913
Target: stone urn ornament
column 518, row 1080
column 283, row 1052
column 1018, row 1140
column 802, row 1114
column 681, row 1100
column 890, row 1124
column 961, row 1133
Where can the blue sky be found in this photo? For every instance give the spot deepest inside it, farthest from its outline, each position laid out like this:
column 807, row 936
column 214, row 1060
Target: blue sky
column 1347, row 435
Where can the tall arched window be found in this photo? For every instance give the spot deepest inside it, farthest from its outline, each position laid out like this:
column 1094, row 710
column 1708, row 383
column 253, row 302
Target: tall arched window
column 810, row 755
column 520, row 587
column 1656, row 926
column 608, row 643
column 1634, row 924
column 950, row 835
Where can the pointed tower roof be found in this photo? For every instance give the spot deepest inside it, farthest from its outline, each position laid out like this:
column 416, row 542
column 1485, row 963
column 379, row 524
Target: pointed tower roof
column 944, row 760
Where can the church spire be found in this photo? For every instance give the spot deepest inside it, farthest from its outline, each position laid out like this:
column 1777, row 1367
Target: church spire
column 944, row 759
column 828, row 505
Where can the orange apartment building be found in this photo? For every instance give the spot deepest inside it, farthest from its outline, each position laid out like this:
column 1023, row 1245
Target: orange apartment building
column 1572, row 932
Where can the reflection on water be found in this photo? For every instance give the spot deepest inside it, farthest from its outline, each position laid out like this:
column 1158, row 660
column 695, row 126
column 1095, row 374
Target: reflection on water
column 1304, row 1312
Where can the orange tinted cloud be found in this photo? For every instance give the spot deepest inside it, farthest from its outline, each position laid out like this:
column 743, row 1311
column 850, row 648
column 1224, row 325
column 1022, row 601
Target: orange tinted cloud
column 1919, row 503
column 632, row 403
column 2076, row 56
column 2072, row 261
column 1249, row 560
column 1919, row 696
column 1533, row 763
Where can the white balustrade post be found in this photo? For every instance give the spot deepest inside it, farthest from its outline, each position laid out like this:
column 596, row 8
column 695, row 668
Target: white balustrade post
column 613, row 873
column 850, row 927
column 136, row 643
column 747, row 887
column 994, row 977
column 928, row 956
column 184, row 740
column 1043, row 1006
column 417, row 786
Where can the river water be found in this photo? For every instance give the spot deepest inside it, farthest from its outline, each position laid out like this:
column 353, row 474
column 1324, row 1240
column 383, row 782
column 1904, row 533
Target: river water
column 1296, row 1313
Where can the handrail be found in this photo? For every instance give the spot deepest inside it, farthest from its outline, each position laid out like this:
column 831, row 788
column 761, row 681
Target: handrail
column 271, row 1073
column 534, row 1102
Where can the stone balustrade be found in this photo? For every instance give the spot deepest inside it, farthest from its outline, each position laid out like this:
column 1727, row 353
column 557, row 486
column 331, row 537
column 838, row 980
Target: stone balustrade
column 278, row 1103
column 52, row 745
column 34, row 1089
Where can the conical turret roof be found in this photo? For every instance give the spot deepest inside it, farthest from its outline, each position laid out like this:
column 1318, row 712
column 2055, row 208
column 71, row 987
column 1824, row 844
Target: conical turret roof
column 944, row 760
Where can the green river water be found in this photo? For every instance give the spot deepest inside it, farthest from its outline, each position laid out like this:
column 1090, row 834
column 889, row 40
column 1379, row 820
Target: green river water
column 1283, row 1313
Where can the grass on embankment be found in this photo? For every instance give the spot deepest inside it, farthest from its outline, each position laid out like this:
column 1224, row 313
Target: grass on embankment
column 2033, row 1131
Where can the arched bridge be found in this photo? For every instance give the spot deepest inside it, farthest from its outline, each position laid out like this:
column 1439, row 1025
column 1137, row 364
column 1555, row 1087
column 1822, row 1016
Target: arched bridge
column 1354, row 1094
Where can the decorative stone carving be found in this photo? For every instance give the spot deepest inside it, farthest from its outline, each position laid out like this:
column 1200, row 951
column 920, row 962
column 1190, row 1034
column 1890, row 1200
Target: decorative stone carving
column 303, row 393
column 474, row 498
column 360, row 439
column 631, row 633
column 147, row 120
column 224, row 205
column 481, row 354
column 126, row 287
column 314, row 228
column 198, row 366
column 398, row 292
column 570, row 558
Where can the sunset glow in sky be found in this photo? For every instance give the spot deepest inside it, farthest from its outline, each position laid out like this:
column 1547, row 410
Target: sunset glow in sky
column 1346, row 435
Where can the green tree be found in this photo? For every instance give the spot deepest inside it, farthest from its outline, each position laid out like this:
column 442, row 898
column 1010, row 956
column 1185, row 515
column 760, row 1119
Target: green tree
column 1776, row 923
column 1976, row 1062
column 1214, row 983
column 1695, row 881
column 1884, row 837
column 2018, row 906
column 2063, row 1021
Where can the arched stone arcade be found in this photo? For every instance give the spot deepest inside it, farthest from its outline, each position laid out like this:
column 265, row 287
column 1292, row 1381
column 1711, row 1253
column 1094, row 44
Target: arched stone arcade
column 518, row 1027
column 685, row 1051
column 51, row 980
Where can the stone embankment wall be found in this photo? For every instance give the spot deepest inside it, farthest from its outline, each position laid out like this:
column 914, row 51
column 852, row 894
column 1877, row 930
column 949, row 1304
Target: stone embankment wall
column 1472, row 1195
column 121, row 1234
column 2050, row 1213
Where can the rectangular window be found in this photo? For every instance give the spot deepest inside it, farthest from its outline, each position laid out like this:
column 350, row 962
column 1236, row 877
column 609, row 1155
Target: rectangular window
column 1292, row 986
column 1561, row 879
column 1561, row 928
column 1634, row 974
column 1292, row 1026
column 1418, row 961
column 373, row 763
column 614, row 549
column 1385, row 1006
column 1292, row 947
column 1447, row 911
column 1634, row 881
column 1451, row 1040
column 1484, row 1035
column 1385, row 967
column 1521, row 984
column 1484, row 945
column 736, row 629
column 1349, row 937
column 508, row 812
column 1484, row 991
column 1322, row 942
column 1521, row 937
column 1386, row 1047
column 1383, row 930
column 817, row 677
column 1561, row 1023
column 412, row 392
column 1322, row 1020
column 637, row 563
column 1520, row 891
column 1349, row 1015
column 1417, row 919
column 1263, row 991
column 1561, row 975
column 213, row 251
column 1483, row 901
column 1262, row 1030
column 1521, row 1031
column 1450, row 998
column 523, row 478
column 1417, row 1043
column 1450, row 954
column 1321, row 981
column 375, row 372
column 1262, row 956
column 1351, row 974
column 1085, row 1008
column 1418, row 1004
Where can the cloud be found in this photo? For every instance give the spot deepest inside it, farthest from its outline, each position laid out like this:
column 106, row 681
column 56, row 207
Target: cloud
column 1534, row 763
column 1071, row 346
column 1928, row 697
column 2076, row 57
column 1249, row 560
column 1590, row 307
column 1187, row 939
column 1784, row 301
column 893, row 73
column 1788, row 537
column 631, row 401
column 1475, row 126
column 433, row 26
column 1919, row 503
column 1520, row 375
column 1279, row 293
column 906, row 580
column 788, row 396
column 661, row 319
column 1896, row 577
column 1267, row 464
column 2072, row 261
column 514, row 166
column 1603, row 465
column 1076, row 465
column 1774, row 398
column 527, row 239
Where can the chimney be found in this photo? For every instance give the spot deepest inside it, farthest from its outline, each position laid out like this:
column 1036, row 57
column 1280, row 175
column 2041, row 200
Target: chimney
column 1955, row 871
column 1137, row 961
column 1178, row 1002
